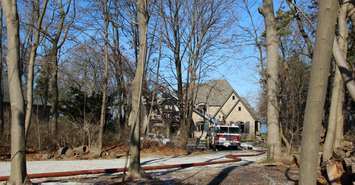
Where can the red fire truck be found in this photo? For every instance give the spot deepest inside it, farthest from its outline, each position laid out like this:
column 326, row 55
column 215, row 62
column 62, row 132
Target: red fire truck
column 226, row 136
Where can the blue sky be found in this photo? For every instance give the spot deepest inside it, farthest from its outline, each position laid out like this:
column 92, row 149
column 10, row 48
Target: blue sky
column 238, row 63
column 240, row 67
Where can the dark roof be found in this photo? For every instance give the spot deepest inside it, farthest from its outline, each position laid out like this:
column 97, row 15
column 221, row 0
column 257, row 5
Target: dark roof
column 214, row 92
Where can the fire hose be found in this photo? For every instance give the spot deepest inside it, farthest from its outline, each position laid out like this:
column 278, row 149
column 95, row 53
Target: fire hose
column 231, row 158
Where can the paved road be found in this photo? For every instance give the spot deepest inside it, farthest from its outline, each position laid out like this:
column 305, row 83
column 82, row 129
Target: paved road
column 55, row 166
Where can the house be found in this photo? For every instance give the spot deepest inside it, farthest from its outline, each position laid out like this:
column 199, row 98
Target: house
column 39, row 111
column 221, row 102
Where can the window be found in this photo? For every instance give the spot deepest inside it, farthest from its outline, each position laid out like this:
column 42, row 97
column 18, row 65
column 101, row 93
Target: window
column 239, row 108
column 233, row 97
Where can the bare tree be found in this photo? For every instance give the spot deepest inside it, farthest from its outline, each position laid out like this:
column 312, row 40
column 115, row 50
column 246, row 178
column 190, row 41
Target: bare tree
column 136, row 117
column 317, row 91
column 57, row 39
column 105, row 13
column 272, row 46
column 300, row 25
column 18, row 172
column 191, row 32
column 340, row 59
column 171, row 13
column 118, row 64
column 39, row 14
column 336, row 119
column 2, row 123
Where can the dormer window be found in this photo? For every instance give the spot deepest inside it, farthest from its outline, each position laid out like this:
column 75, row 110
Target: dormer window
column 233, row 97
column 239, row 108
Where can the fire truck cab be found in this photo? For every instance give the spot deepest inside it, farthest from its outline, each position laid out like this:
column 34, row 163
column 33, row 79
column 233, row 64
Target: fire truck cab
column 226, row 136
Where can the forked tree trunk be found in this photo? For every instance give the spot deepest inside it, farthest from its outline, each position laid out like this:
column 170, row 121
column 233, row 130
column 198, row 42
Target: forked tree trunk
column 317, row 92
column 344, row 67
column 18, row 157
column 31, row 62
column 104, row 88
column 272, row 42
column 336, row 119
column 136, row 117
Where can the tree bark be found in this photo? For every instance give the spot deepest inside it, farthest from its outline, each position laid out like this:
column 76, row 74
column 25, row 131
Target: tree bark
column 18, row 145
column 2, row 123
column 272, row 42
column 180, row 95
column 336, row 119
column 53, row 91
column 317, row 92
column 136, row 117
column 31, row 63
column 104, row 88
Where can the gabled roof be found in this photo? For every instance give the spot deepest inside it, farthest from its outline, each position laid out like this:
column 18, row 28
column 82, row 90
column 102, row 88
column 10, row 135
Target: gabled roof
column 217, row 93
column 214, row 92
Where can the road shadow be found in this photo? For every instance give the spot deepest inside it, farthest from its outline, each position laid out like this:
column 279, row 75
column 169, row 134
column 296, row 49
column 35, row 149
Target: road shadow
column 225, row 172
column 161, row 159
column 149, row 182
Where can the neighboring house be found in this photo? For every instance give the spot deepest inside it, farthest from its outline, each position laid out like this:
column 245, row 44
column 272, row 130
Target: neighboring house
column 39, row 111
column 220, row 101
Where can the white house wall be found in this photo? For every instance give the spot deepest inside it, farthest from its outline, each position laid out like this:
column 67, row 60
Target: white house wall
column 243, row 115
column 231, row 113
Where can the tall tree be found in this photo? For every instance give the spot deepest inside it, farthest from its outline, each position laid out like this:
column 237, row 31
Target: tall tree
column 57, row 39
column 18, row 158
column 39, row 14
column 105, row 13
column 340, row 58
column 317, row 91
column 136, row 117
column 118, row 66
column 2, row 123
column 343, row 42
column 336, row 119
column 272, row 60
column 171, row 12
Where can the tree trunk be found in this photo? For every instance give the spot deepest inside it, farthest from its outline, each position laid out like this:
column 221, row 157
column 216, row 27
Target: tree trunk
column 336, row 119
column 53, row 91
column 119, row 77
column 31, row 63
column 18, row 145
column 183, row 135
column 343, row 42
column 136, row 117
column 317, row 92
column 2, row 123
column 272, row 40
column 340, row 57
column 104, row 89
